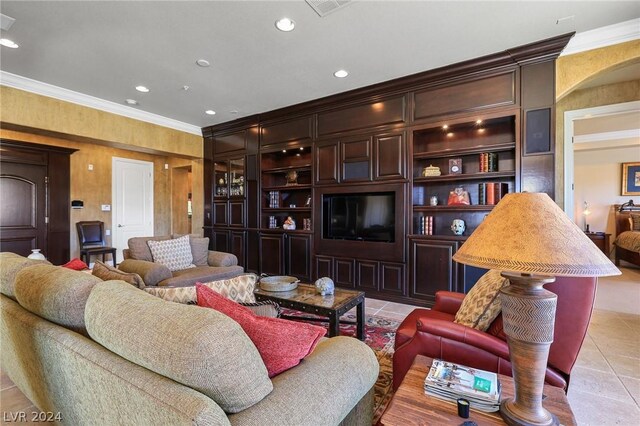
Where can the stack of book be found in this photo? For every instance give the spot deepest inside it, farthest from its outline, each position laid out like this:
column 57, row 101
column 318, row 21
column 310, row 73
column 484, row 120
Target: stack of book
column 425, row 225
column 274, row 199
column 488, row 162
column 490, row 193
column 450, row 381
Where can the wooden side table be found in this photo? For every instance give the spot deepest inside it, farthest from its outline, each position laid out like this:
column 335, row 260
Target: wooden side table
column 601, row 240
column 410, row 405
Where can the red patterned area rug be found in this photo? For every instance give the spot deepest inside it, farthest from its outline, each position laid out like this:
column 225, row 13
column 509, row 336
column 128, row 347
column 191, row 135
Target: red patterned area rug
column 379, row 335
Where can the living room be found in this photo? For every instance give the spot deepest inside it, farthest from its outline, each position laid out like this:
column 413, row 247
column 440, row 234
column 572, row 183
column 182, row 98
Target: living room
column 581, row 80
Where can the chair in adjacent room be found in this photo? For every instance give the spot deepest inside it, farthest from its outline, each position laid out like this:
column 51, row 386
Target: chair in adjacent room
column 434, row 333
column 91, row 239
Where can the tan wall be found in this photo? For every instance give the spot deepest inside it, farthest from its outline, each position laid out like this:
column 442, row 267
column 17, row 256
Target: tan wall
column 36, row 113
column 574, row 70
column 94, row 187
column 100, row 136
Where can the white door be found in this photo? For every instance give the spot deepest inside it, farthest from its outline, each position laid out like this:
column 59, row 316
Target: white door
column 132, row 183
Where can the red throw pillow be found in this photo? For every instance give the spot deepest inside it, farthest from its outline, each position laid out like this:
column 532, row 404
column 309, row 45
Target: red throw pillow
column 76, row 264
column 281, row 343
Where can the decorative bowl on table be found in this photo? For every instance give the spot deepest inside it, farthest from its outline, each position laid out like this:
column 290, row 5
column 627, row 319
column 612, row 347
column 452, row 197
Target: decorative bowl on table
column 279, row 283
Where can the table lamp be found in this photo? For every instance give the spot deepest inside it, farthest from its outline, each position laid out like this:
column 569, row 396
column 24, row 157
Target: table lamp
column 530, row 239
column 586, row 212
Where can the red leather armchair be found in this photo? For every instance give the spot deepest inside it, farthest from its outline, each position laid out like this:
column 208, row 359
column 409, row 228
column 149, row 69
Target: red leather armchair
column 434, row 334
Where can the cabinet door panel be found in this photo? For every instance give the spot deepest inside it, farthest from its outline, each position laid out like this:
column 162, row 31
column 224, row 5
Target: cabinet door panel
column 230, row 142
column 324, row 267
column 356, row 149
column 220, row 213
column 344, row 273
column 432, row 268
column 299, row 256
column 327, row 163
column 390, row 158
column 252, row 263
column 367, row 275
column 221, row 241
column 272, row 254
column 392, row 278
column 238, row 246
column 236, row 213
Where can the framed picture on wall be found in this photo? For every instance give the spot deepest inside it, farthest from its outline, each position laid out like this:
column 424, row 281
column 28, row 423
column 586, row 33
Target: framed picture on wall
column 630, row 178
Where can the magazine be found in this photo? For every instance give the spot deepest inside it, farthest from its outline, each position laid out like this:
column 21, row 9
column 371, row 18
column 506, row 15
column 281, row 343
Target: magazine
column 450, row 381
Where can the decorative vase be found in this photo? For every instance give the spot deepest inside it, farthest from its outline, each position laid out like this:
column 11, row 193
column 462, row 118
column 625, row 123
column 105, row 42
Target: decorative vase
column 35, row 254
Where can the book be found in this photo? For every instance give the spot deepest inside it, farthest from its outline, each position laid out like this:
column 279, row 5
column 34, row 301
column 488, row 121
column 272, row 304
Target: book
column 499, row 191
column 492, row 162
column 450, row 381
column 481, row 193
column 489, row 195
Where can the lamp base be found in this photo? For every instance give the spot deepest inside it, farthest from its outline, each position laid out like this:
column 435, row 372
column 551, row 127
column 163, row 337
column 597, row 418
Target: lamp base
column 528, row 312
column 512, row 416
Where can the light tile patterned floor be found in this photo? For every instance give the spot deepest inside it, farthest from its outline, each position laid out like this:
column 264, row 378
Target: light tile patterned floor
column 605, row 382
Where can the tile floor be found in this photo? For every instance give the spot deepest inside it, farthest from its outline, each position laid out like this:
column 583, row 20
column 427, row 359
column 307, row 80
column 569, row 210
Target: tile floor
column 605, row 383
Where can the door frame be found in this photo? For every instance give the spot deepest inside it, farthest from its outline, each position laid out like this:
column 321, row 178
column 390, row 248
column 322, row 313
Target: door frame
column 569, row 162
column 114, row 193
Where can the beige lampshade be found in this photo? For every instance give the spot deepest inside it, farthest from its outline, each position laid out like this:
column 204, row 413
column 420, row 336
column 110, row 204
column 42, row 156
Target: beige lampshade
column 529, row 233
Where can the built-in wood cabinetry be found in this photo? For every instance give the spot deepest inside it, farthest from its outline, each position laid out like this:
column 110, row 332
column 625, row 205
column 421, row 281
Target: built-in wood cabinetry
column 363, row 158
column 386, row 138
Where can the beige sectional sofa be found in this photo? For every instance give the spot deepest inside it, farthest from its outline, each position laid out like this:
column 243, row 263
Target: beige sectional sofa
column 104, row 352
column 210, row 265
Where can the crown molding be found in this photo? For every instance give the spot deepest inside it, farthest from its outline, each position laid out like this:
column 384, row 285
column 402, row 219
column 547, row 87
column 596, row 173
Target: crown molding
column 603, row 37
column 23, row 83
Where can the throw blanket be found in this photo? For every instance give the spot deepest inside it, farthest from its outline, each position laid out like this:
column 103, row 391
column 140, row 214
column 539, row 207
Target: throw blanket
column 629, row 240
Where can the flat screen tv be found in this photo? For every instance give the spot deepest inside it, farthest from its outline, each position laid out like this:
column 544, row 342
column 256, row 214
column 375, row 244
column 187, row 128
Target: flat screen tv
column 359, row 217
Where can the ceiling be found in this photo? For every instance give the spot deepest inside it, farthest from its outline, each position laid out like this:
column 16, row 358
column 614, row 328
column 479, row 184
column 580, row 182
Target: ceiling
column 105, row 49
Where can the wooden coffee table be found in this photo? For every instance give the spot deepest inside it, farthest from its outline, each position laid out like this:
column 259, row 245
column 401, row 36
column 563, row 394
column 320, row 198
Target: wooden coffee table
column 410, row 405
column 305, row 298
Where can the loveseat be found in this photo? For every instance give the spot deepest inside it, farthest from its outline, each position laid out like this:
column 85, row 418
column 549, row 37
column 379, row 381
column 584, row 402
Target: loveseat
column 105, row 352
column 209, row 265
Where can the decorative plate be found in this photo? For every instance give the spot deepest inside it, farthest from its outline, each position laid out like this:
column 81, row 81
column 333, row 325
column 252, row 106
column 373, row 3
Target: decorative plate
column 278, row 283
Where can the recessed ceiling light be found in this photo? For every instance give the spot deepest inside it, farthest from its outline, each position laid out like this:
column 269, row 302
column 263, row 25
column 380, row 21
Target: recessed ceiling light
column 210, row 112
column 8, row 43
column 341, row 73
column 131, row 101
column 202, row 63
column 142, row 89
column 285, row 24
column 233, row 111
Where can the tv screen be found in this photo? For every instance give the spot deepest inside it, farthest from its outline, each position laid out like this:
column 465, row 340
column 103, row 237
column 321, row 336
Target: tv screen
column 364, row 217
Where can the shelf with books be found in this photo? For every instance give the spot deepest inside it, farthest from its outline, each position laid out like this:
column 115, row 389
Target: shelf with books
column 477, row 160
column 447, row 153
column 468, row 176
column 287, row 190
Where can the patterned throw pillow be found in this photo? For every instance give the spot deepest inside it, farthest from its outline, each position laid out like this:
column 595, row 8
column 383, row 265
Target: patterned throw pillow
column 239, row 289
column 106, row 272
column 174, row 254
column 199, row 248
column 482, row 305
column 282, row 343
column 635, row 221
